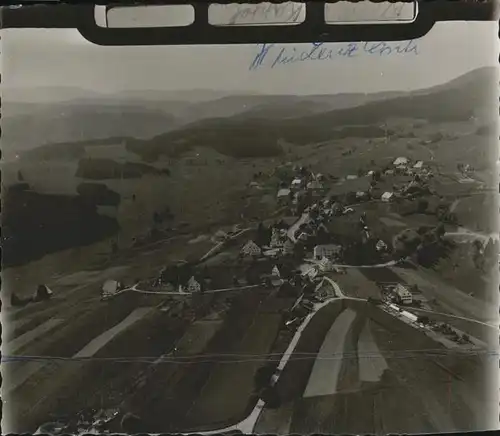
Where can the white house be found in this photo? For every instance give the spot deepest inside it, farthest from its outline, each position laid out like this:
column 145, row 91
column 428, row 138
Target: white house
column 403, row 294
column 351, row 177
column 360, row 195
column 110, row 287
column 326, row 265
column 193, row 285
column 387, row 196
column 327, row 250
column 419, row 164
column 400, row 161
column 251, row 249
column 296, row 183
column 381, row 245
column 283, row 193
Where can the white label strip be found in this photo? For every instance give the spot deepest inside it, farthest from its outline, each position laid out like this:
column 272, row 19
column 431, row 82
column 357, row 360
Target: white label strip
column 264, row 13
column 369, row 12
column 148, row 16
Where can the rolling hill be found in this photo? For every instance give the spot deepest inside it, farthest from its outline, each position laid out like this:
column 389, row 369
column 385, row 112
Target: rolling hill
column 246, row 135
column 70, row 123
column 242, row 126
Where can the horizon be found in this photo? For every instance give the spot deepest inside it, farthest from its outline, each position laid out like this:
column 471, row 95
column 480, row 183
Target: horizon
column 218, row 93
column 62, row 57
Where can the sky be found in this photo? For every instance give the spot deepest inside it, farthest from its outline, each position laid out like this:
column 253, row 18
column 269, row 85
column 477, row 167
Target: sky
column 62, row 57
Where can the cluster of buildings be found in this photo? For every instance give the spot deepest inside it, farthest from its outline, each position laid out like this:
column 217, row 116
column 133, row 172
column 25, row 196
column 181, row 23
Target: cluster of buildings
column 304, row 184
column 403, row 166
column 397, row 293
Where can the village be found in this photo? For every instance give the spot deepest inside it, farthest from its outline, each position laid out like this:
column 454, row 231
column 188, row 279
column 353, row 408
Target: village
column 271, row 285
column 317, row 236
column 306, row 241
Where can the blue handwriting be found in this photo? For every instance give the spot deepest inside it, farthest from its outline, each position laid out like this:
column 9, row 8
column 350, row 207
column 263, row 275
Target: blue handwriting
column 273, row 55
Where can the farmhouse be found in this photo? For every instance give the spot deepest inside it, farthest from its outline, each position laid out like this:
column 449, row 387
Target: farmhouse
column 283, row 193
column 403, row 295
column 381, row 245
column 326, row 265
column 387, row 196
column 327, row 250
column 251, row 249
column 400, row 161
column 193, row 285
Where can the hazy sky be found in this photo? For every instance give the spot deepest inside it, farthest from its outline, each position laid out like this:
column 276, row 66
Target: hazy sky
column 61, row 57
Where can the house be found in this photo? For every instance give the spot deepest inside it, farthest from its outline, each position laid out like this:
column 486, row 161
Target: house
column 110, row 287
column 327, row 250
column 312, row 273
column 326, row 265
column 193, row 285
column 296, row 183
column 403, row 295
column 400, row 161
column 273, row 252
column 360, row 195
column 251, row 249
column 371, row 173
column 283, row 194
column 351, row 177
column 419, row 164
column 381, row 245
column 389, row 172
column 387, row 196
column 276, row 238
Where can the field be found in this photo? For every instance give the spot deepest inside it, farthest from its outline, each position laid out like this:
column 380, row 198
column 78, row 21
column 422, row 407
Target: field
column 186, row 359
column 439, row 391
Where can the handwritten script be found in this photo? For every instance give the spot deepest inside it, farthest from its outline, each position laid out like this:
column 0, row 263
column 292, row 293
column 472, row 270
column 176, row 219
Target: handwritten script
column 369, row 11
column 275, row 55
column 294, row 13
column 261, row 13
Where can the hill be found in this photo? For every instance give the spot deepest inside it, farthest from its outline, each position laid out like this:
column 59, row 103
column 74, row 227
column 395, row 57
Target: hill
column 247, row 135
column 69, row 122
column 35, row 224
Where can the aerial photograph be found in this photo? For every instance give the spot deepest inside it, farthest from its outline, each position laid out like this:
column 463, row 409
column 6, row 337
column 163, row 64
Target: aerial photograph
column 204, row 260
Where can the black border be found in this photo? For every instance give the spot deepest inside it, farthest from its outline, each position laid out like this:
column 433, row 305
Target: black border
column 80, row 15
